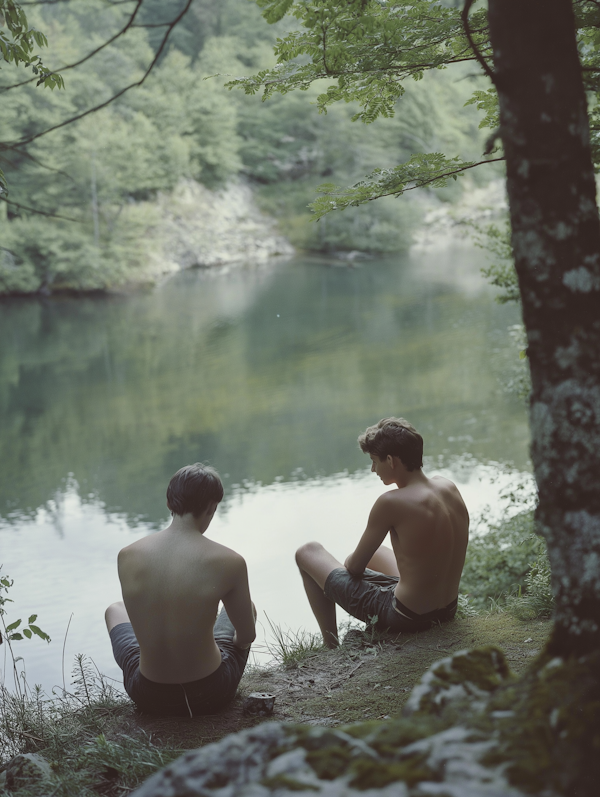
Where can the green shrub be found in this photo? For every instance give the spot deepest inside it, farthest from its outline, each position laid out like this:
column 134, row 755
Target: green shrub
column 507, row 568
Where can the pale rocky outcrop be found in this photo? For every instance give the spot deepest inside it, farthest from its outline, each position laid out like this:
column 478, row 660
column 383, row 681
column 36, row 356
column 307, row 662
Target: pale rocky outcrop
column 201, row 227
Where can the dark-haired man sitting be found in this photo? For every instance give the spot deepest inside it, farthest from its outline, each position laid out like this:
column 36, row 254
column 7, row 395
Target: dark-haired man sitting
column 415, row 583
column 176, row 659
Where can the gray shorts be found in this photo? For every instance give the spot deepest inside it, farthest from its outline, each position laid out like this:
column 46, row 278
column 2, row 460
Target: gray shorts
column 372, row 595
column 204, row 696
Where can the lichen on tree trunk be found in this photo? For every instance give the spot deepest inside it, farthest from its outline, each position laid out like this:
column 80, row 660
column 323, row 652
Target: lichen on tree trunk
column 556, row 243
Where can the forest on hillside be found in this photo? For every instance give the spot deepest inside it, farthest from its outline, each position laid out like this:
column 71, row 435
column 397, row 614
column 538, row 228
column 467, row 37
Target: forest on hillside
column 97, row 180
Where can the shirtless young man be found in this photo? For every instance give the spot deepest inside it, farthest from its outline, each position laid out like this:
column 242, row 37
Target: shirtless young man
column 174, row 661
column 413, row 584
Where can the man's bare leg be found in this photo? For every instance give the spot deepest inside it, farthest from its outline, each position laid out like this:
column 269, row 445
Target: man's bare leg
column 116, row 614
column 315, row 565
column 384, row 561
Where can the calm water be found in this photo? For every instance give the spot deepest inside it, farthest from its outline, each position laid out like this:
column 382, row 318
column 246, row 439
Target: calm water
column 269, row 373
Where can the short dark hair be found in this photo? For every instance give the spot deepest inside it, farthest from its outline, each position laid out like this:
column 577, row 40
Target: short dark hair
column 397, row 437
column 193, row 488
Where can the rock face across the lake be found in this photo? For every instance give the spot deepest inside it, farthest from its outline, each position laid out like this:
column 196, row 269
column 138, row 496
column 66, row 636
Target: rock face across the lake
column 421, row 755
column 200, row 227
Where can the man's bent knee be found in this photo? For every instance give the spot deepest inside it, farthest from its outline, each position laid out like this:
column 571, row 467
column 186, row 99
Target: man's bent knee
column 116, row 614
column 308, row 551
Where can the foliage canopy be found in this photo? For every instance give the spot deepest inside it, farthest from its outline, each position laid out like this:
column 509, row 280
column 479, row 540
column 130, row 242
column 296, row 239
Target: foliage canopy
column 368, row 49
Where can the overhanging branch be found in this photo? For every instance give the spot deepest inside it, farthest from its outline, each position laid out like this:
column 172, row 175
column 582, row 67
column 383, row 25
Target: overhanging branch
column 169, row 26
column 468, row 33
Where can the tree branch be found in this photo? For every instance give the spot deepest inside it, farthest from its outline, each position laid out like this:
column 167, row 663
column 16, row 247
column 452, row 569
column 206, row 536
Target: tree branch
column 169, row 26
column 31, row 157
column 344, row 201
column 123, row 30
column 441, row 176
column 464, row 15
column 38, row 212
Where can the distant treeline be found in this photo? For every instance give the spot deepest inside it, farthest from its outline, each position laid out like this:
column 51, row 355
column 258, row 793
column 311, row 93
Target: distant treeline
column 102, row 173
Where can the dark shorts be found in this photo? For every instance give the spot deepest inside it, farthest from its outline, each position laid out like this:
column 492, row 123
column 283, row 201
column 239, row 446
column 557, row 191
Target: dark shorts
column 372, row 595
column 204, row 696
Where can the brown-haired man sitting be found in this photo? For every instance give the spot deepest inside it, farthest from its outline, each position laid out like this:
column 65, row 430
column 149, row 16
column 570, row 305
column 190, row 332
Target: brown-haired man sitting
column 414, row 584
column 174, row 661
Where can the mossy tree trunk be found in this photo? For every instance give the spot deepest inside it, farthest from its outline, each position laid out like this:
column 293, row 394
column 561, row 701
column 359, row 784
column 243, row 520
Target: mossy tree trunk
column 556, row 242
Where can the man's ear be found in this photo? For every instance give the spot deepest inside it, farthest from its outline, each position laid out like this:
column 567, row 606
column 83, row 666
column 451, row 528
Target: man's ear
column 390, row 461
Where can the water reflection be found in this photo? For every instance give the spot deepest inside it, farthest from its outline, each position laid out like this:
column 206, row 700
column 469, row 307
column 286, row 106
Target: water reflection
column 268, row 373
column 262, row 372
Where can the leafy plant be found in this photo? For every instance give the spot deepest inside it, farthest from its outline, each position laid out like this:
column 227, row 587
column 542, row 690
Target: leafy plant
column 536, row 598
column 11, row 632
column 18, row 43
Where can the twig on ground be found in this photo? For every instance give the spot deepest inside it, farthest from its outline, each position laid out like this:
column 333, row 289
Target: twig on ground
column 345, row 677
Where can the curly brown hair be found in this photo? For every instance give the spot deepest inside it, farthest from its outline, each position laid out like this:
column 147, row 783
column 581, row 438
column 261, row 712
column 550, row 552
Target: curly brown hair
column 397, row 437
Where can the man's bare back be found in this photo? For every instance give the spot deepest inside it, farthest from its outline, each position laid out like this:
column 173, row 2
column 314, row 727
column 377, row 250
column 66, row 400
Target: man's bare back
column 176, row 659
column 172, row 583
column 428, row 525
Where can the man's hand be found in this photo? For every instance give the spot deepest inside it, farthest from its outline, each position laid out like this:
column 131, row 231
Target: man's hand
column 349, row 567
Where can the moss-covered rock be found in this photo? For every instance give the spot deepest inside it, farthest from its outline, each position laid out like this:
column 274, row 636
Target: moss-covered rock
column 471, row 728
column 466, row 678
column 550, row 727
column 425, row 753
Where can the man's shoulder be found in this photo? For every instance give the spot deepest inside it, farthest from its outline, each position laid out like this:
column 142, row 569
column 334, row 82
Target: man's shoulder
column 389, row 504
column 413, row 495
column 222, row 554
column 444, row 485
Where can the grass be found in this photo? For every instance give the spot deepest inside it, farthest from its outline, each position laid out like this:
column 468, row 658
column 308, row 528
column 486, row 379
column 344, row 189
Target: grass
column 80, row 733
column 291, row 648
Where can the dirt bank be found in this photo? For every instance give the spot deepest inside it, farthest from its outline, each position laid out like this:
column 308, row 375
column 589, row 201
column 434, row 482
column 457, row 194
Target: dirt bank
column 95, row 742
column 367, row 679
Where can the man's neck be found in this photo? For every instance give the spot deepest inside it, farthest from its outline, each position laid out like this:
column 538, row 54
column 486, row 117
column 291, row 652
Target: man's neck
column 408, row 477
column 188, row 524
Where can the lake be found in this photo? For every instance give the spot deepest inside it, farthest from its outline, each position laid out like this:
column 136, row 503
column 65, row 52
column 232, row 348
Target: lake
column 267, row 372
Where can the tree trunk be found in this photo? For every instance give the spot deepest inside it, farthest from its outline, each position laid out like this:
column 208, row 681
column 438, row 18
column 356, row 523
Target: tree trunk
column 556, row 243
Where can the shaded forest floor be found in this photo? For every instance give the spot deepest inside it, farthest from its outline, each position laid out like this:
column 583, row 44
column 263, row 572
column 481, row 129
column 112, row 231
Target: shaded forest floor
column 108, row 747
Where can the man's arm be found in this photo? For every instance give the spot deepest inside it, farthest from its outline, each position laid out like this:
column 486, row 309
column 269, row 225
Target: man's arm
column 239, row 606
column 380, row 522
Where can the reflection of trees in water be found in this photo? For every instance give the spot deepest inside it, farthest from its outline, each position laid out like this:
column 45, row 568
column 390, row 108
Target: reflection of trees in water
column 260, row 374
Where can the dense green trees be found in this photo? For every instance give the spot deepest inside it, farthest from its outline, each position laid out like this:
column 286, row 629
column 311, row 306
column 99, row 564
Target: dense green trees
column 96, row 179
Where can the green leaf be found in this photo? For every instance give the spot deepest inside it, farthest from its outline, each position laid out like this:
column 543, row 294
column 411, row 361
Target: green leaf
column 38, row 632
column 27, row 633
column 275, row 10
column 32, row 619
column 523, row 354
column 14, row 625
column 14, row 637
